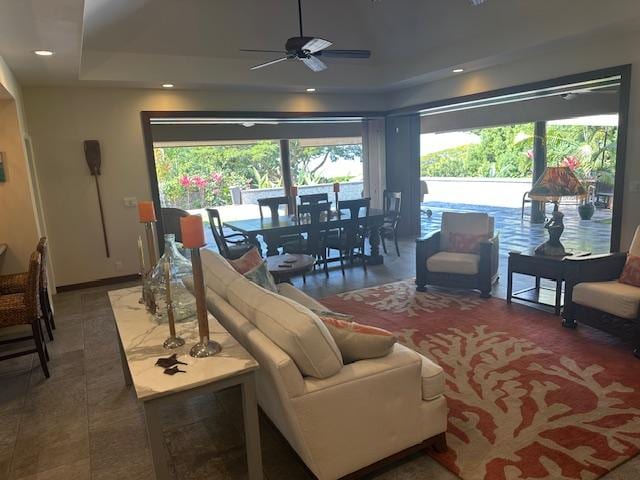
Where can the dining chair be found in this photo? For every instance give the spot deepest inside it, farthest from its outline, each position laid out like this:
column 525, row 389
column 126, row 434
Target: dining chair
column 315, row 217
column 313, row 198
column 391, row 205
column 17, row 283
column 352, row 232
column 20, row 318
column 273, row 204
column 171, row 221
column 230, row 246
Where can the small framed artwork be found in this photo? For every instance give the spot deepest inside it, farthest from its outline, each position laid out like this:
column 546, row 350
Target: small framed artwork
column 3, row 177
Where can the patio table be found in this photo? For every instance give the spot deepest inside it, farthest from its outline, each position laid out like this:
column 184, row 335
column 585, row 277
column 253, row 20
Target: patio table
column 272, row 229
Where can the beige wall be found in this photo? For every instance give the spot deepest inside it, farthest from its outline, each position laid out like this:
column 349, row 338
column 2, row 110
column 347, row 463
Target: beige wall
column 61, row 118
column 18, row 226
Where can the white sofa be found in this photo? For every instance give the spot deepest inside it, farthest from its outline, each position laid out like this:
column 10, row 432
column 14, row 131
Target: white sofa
column 365, row 412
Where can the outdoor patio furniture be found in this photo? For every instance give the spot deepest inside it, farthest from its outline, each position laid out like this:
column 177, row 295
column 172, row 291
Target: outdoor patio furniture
column 171, row 221
column 314, row 198
column 391, row 204
column 20, row 319
column 594, row 296
column 440, row 262
column 351, row 235
column 316, row 215
column 230, row 246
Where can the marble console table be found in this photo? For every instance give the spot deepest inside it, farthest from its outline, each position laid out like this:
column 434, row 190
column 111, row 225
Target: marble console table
column 141, row 341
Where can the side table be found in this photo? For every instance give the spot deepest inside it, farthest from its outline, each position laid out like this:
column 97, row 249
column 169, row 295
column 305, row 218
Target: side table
column 538, row 266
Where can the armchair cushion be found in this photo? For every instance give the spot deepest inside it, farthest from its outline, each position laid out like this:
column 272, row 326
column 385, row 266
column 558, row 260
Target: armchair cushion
column 612, row 297
column 467, row 223
column 452, row 262
column 631, row 273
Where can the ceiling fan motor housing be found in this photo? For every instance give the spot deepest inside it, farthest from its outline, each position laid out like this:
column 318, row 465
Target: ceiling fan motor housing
column 295, row 44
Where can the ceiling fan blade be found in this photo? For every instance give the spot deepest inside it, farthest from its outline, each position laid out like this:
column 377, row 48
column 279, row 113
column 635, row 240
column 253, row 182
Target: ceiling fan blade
column 345, row 53
column 272, row 62
column 262, row 51
column 314, row 63
column 316, row 44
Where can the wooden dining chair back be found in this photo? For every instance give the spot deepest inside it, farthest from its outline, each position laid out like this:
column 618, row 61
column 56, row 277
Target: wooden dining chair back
column 314, row 218
column 171, row 221
column 18, row 309
column 43, row 288
column 353, row 230
column 391, row 206
column 273, row 204
column 230, row 246
column 313, row 198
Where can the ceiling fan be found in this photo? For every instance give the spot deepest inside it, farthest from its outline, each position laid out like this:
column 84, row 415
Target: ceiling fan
column 308, row 49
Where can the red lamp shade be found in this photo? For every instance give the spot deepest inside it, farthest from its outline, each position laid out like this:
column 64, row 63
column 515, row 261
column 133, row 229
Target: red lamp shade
column 557, row 182
column 146, row 212
column 336, row 187
column 192, row 231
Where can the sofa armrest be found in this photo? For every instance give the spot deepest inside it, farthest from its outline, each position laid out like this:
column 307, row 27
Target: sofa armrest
column 425, row 248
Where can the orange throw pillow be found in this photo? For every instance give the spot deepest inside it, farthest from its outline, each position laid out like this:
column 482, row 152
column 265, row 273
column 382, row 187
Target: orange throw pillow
column 465, row 242
column 631, row 273
column 356, row 341
column 247, row 262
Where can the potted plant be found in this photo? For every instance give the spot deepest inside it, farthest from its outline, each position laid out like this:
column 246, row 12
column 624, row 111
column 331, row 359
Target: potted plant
column 586, row 209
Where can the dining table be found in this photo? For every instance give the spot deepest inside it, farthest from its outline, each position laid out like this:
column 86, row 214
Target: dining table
column 272, row 229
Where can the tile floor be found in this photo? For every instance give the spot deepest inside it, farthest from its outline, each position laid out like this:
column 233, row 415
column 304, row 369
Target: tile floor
column 84, row 423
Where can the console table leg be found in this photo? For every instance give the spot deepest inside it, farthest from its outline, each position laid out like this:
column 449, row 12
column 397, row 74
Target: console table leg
column 251, row 428
column 125, row 365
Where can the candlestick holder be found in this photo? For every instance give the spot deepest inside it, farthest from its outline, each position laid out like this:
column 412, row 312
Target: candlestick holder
column 205, row 347
column 173, row 341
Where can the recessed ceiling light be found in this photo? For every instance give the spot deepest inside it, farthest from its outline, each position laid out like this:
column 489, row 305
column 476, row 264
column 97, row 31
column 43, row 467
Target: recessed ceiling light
column 167, row 85
column 458, row 70
column 311, row 90
column 43, row 53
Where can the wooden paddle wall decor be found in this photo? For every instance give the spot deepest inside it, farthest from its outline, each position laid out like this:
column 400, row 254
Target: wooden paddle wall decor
column 94, row 161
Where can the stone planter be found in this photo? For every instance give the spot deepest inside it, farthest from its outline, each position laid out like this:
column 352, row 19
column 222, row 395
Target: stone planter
column 586, row 210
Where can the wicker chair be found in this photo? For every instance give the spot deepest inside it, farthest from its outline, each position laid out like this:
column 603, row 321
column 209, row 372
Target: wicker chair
column 437, row 265
column 17, row 283
column 18, row 311
column 594, row 296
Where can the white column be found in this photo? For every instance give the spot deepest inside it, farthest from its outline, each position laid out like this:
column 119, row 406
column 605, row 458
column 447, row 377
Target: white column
column 374, row 159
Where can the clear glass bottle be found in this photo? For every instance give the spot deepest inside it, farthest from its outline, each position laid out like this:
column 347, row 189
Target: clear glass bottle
column 184, row 303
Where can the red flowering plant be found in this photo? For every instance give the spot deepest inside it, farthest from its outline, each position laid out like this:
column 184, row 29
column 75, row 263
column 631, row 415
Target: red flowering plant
column 571, row 161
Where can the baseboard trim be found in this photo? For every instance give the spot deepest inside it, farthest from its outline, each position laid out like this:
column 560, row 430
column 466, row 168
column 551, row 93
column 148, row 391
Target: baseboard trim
column 98, row 283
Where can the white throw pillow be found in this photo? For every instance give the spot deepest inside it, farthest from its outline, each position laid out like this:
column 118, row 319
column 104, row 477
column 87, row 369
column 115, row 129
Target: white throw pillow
column 218, row 273
column 292, row 327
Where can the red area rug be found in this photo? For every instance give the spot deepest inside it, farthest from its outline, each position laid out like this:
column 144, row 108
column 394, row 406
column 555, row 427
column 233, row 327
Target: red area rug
column 527, row 398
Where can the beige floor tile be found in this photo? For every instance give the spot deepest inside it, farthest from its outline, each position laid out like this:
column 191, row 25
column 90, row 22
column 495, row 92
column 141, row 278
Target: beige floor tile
column 13, row 392
column 117, row 441
column 137, row 467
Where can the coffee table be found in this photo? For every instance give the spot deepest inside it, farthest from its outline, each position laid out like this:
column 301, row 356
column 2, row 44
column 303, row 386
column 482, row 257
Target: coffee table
column 299, row 265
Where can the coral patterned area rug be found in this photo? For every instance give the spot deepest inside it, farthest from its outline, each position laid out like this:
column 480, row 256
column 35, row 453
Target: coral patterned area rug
column 527, row 398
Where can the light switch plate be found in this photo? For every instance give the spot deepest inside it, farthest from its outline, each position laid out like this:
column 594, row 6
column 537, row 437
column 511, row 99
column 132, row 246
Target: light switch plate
column 130, row 201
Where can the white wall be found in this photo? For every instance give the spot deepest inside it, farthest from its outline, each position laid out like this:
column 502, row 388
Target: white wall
column 61, row 118
column 583, row 54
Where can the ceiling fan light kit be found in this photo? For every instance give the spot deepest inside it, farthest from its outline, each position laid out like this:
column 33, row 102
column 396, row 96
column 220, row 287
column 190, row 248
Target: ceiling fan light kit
column 308, row 50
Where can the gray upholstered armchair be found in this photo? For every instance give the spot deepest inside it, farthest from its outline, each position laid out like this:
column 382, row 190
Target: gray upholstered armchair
column 438, row 264
column 594, row 296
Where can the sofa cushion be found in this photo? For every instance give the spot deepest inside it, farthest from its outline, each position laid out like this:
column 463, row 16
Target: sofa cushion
column 452, row 262
column 357, row 341
column 613, row 297
column 631, row 272
column 291, row 292
column 291, row 326
column 432, row 379
column 247, row 262
column 260, row 275
column 218, row 274
column 473, row 223
column 634, row 249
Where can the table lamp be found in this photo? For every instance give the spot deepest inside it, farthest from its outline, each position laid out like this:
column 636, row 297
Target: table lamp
column 553, row 184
